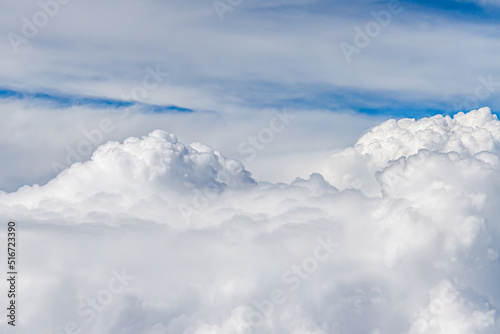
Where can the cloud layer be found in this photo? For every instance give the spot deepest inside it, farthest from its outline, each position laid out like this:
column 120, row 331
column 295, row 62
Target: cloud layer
column 404, row 238
column 218, row 65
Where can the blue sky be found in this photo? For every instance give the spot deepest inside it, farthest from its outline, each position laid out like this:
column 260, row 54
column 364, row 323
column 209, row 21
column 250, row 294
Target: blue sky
column 64, row 101
column 263, row 54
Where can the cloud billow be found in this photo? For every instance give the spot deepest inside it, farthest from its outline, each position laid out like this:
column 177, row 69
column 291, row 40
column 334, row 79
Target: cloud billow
column 400, row 234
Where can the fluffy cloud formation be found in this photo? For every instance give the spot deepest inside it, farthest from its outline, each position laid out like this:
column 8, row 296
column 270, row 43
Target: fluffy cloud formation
column 466, row 134
column 153, row 236
column 119, row 176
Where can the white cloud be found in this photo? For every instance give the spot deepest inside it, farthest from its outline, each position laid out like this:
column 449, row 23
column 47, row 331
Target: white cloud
column 212, row 64
column 466, row 134
column 419, row 258
column 43, row 138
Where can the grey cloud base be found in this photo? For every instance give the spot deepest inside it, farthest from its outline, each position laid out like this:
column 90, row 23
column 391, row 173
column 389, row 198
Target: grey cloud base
column 398, row 234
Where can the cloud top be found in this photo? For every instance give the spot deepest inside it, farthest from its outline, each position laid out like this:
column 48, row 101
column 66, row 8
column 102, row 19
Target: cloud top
column 466, row 134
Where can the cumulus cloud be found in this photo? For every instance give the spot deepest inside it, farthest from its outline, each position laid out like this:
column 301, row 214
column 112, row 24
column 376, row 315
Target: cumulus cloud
column 44, row 138
column 123, row 174
column 400, row 236
column 466, row 134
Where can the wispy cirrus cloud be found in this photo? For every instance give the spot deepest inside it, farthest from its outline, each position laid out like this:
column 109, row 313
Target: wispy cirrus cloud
column 217, row 65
